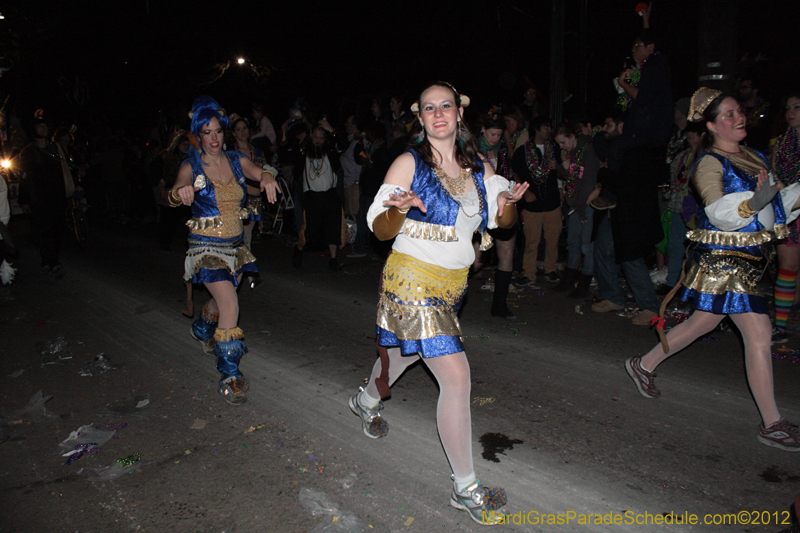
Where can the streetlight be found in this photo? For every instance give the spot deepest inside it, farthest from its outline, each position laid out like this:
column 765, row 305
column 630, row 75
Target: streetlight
column 240, row 61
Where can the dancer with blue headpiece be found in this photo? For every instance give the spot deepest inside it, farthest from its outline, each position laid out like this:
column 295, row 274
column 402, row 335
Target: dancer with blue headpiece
column 212, row 182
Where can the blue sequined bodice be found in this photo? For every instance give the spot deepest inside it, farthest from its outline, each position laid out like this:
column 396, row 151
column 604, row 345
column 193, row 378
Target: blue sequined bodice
column 441, row 208
column 736, row 180
column 205, row 202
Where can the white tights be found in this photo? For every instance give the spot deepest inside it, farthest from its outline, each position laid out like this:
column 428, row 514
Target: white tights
column 755, row 329
column 453, row 418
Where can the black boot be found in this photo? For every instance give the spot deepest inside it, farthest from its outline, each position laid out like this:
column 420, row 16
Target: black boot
column 568, row 281
column 297, row 258
column 502, row 280
column 582, row 290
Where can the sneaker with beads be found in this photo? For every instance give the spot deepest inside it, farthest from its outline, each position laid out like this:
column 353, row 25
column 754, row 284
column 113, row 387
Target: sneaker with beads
column 373, row 424
column 481, row 503
column 234, row 390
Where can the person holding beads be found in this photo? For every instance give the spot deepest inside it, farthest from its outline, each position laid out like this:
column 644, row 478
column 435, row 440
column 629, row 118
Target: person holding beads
column 212, row 182
column 434, row 197
column 744, row 207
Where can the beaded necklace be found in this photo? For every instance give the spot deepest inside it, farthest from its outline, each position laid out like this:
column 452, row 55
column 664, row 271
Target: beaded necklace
column 539, row 166
column 317, row 169
column 636, row 76
column 458, row 186
column 514, row 138
column 787, row 157
column 574, row 172
column 502, row 160
column 501, row 166
column 677, row 143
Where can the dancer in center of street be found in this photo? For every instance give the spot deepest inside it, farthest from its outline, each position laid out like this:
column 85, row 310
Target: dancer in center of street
column 434, row 197
column 212, row 181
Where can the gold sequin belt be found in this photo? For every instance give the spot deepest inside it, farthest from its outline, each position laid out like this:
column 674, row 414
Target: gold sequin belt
column 419, row 300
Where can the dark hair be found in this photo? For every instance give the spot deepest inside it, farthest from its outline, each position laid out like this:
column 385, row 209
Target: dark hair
column 489, row 121
column 779, row 125
column 537, row 122
column 399, row 128
column 466, row 148
column 60, row 132
column 617, row 115
column 710, row 115
column 360, row 120
column 400, row 96
column 515, row 113
column 566, row 129
column 793, row 94
column 232, row 125
column 695, row 127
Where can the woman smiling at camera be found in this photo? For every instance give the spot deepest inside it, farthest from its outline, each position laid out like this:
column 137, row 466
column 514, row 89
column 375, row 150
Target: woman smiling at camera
column 744, row 207
column 434, row 197
column 212, row 181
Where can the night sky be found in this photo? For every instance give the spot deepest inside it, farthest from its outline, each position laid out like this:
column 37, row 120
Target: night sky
column 126, row 61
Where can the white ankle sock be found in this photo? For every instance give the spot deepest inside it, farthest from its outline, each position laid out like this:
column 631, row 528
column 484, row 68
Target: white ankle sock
column 462, row 483
column 367, row 401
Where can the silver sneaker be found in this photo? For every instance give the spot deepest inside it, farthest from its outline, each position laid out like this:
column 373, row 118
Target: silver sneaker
column 481, row 503
column 374, row 425
column 234, row 390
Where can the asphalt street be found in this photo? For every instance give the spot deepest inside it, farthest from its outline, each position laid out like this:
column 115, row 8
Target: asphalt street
column 584, row 445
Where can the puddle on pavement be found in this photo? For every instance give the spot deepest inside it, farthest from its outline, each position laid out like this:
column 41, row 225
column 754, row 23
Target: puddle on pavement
column 496, row 443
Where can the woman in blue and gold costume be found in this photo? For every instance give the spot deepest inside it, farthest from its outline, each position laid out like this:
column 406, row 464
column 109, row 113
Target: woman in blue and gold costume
column 212, row 181
column 434, row 197
column 744, row 208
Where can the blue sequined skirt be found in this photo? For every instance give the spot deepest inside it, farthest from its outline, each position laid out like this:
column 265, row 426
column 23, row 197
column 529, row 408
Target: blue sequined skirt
column 724, row 280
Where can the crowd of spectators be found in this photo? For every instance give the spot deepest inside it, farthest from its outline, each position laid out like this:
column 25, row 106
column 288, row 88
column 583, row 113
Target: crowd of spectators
column 616, row 196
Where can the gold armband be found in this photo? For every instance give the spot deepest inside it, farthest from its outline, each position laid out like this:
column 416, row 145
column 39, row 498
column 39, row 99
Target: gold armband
column 509, row 217
column 389, row 223
column 267, row 172
column 745, row 211
column 173, row 198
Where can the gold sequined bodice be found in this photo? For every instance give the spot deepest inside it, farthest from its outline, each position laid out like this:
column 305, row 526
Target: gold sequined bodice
column 229, row 198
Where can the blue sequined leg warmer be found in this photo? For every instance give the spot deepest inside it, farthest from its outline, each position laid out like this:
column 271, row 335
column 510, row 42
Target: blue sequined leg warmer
column 229, row 348
column 203, row 328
